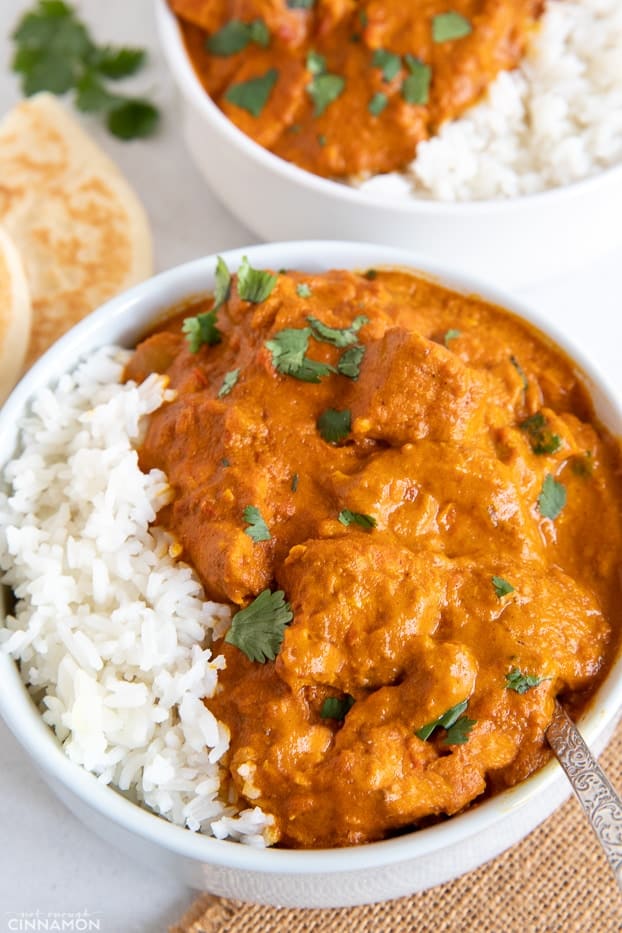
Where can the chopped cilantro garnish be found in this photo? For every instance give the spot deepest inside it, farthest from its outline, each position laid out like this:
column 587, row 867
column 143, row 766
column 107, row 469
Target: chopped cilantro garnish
column 446, row 720
column 228, row 382
column 450, row 335
column 55, row 52
column 336, row 708
column 450, row 25
column 321, row 138
column 236, row 35
column 350, row 362
column 303, row 290
column 324, row 89
column 252, row 95
column 552, row 498
column 541, row 438
column 333, row 425
column 225, row 462
column 294, row 483
column 202, row 329
column 253, row 284
column 316, row 63
column 346, row 517
column 521, row 683
column 222, row 278
column 338, row 336
column 377, row 103
column 371, row 274
column 258, row 630
column 416, row 86
column 288, row 348
column 521, row 372
column 301, row 4
column 458, row 734
column 388, row 62
column 502, row 587
column 257, row 528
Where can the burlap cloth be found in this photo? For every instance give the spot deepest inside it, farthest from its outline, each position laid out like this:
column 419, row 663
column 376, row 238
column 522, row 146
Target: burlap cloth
column 557, row 879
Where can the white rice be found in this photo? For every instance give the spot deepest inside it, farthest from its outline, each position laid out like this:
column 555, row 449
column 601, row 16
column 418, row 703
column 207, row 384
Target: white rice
column 554, row 120
column 111, row 632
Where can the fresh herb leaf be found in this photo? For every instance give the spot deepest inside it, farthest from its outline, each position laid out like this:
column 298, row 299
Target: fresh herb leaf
column 324, row 89
column 303, row 290
column 449, row 26
column 316, row 63
column 288, row 348
column 202, row 329
column 336, row 708
column 502, row 587
column 253, row 284
column 301, row 4
column 377, row 103
column 257, row 528
column 388, row 62
column 582, row 465
column 446, row 720
column 294, row 484
column 222, row 277
column 338, row 336
column 225, row 462
column 416, row 86
column 363, row 18
column 449, row 335
column 258, row 630
column 521, row 683
column 346, row 517
column 521, row 372
column 371, row 274
column 117, row 63
column 92, row 96
column 333, row 425
column 552, row 498
column 235, row 35
column 350, row 362
column 228, row 382
column 541, row 438
column 313, row 371
column 252, row 95
column 458, row 734
column 133, row 119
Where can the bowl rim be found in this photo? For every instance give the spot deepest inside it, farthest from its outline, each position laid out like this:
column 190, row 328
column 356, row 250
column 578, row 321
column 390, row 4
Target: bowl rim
column 144, row 302
column 179, row 63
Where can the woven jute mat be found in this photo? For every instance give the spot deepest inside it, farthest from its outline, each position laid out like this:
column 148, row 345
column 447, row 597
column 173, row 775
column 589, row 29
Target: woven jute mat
column 557, row 879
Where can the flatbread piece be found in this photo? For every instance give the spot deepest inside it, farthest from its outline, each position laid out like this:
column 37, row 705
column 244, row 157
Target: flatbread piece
column 15, row 314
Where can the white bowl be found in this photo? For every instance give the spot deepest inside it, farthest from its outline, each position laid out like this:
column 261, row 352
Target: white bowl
column 328, row 878
column 511, row 242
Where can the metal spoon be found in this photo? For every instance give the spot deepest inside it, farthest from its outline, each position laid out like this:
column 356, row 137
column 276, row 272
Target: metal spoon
column 599, row 800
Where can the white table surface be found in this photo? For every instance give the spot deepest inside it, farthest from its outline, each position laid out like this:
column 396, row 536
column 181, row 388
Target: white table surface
column 48, row 861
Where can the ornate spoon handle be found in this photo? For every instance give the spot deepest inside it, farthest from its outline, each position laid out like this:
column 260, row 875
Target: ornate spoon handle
column 602, row 805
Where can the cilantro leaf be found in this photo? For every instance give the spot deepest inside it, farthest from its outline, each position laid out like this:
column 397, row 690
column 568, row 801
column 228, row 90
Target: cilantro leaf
column 313, row 370
column 388, row 62
column 333, row 425
column 92, row 96
column 371, row 274
column 450, row 25
column 116, row 63
column 521, row 683
column 301, row 4
column 235, row 35
column 324, row 89
column 257, row 528
column 303, row 290
column 416, row 85
column 316, row 63
column 252, row 95
column 202, row 329
column 449, row 335
column 377, row 103
column 253, row 284
column 133, row 119
column 502, row 587
column 541, row 438
column 552, row 498
column 338, row 336
column 346, row 517
column 258, row 630
column 446, row 720
column 228, row 382
column 294, row 483
column 336, row 708
column 288, row 348
column 350, row 362
column 222, row 278
column 458, row 734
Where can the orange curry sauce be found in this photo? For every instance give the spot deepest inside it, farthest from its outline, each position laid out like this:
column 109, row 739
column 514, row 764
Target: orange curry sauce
column 488, row 561
column 347, row 88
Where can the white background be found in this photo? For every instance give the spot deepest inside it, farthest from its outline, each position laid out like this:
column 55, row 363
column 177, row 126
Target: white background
column 49, row 861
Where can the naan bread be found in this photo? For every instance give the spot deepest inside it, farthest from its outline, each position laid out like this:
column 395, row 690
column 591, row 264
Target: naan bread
column 81, row 232
column 14, row 315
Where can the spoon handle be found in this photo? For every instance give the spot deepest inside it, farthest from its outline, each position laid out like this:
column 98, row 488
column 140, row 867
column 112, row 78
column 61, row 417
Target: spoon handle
column 601, row 803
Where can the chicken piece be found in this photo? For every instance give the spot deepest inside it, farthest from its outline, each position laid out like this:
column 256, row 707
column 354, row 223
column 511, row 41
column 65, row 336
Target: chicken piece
column 411, row 388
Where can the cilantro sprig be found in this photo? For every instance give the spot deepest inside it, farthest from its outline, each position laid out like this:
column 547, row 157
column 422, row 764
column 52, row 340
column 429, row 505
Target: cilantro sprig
column 541, row 438
column 259, row 629
column 324, row 88
column 257, row 529
column 347, row 517
column 338, row 336
column 333, row 425
column 288, row 348
column 552, row 498
column 449, row 26
column 521, row 683
column 202, row 329
column 336, row 707
column 252, row 95
column 229, row 381
column 458, row 726
column 235, row 35
column 254, row 285
column 55, row 52
column 502, row 587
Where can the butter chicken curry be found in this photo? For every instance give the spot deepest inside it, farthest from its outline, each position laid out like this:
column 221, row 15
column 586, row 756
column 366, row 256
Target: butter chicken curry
column 406, row 498
column 350, row 87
